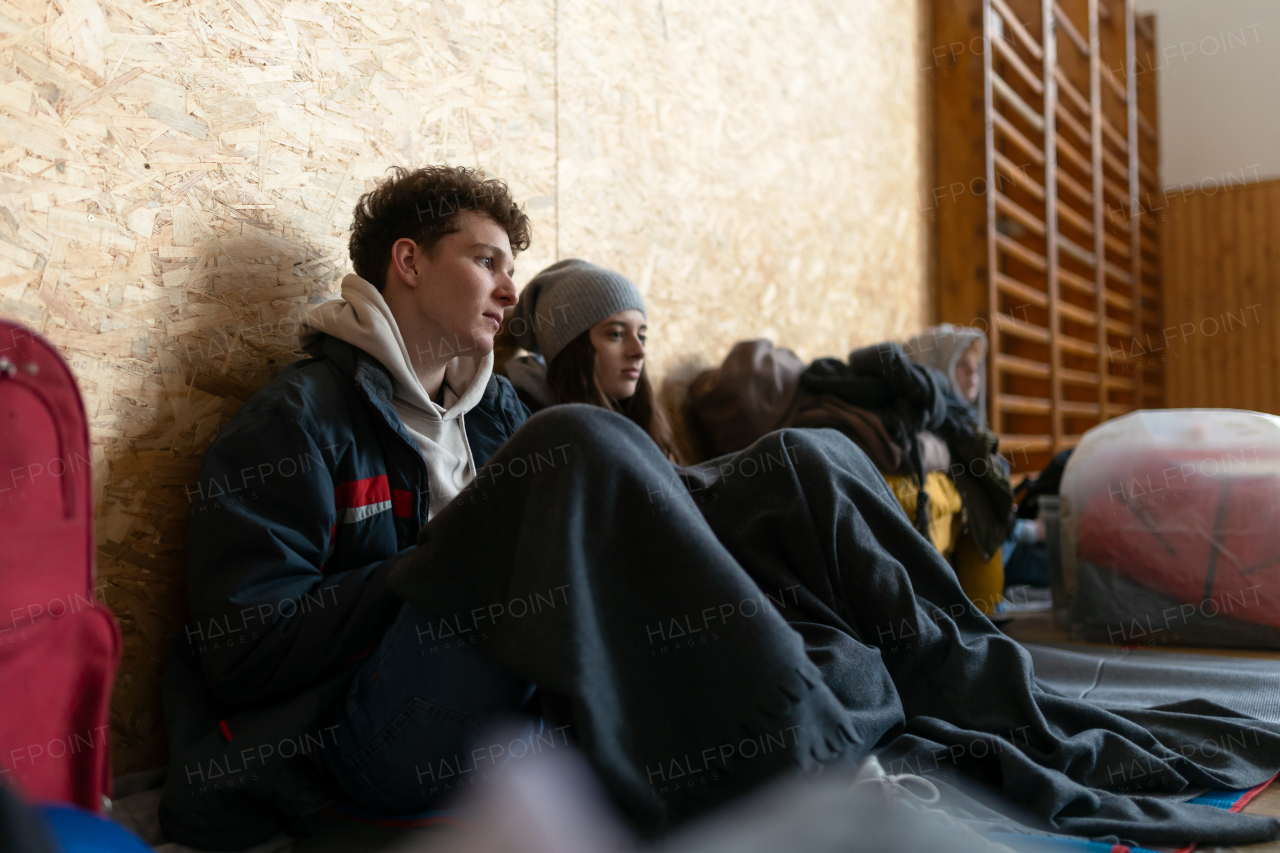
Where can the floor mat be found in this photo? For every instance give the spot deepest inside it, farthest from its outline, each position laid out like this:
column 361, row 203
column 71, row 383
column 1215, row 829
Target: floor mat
column 1230, row 800
column 1121, row 679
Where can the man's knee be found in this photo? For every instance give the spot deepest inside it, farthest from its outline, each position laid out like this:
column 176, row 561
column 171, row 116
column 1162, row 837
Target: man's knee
column 577, row 423
column 825, row 449
column 817, row 444
column 575, row 430
column 572, row 416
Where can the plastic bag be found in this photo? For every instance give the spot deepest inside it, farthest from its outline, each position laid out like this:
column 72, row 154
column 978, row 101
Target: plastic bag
column 1170, row 523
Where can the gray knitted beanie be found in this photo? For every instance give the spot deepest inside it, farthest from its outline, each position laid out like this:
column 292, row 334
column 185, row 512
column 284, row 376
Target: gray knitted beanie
column 566, row 299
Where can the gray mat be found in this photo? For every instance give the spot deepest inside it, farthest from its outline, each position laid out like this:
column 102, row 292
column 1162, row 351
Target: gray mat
column 1122, row 679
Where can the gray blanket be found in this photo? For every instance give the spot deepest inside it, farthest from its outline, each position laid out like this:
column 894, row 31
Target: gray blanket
column 1126, row 679
column 774, row 609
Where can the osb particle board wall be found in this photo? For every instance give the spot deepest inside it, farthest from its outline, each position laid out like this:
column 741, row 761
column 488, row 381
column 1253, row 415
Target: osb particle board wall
column 753, row 167
column 176, row 179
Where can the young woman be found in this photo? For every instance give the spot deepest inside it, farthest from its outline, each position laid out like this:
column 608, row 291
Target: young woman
column 584, row 327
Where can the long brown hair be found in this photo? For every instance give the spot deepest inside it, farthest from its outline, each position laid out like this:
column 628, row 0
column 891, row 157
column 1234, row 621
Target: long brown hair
column 572, row 376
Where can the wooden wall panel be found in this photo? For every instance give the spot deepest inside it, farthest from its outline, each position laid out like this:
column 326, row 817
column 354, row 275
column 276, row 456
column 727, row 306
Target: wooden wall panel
column 176, row 186
column 1222, row 297
column 957, row 204
column 1147, row 372
column 176, row 181
column 755, row 168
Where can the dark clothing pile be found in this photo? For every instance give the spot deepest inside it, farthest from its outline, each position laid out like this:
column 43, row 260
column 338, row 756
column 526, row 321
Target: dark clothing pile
column 757, row 390
column 1046, row 483
column 1026, row 556
column 888, row 405
column 979, row 474
column 907, row 399
column 774, row 610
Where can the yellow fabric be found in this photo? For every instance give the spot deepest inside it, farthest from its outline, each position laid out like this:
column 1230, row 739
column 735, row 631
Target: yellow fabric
column 944, row 503
column 982, row 581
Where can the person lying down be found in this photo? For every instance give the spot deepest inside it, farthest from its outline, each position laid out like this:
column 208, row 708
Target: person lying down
column 694, row 631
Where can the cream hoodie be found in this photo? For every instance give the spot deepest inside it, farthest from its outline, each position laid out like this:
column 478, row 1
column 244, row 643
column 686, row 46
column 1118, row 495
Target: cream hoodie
column 361, row 318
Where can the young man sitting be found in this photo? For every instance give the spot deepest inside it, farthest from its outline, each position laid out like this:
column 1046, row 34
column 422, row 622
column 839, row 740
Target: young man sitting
column 700, row 630
column 297, row 656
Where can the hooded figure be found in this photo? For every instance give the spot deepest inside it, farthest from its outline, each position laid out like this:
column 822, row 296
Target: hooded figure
column 362, row 318
column 980, row 475
column 942, row 348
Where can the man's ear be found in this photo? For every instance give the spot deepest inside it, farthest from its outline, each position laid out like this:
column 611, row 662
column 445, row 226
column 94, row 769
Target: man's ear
column 406, row 258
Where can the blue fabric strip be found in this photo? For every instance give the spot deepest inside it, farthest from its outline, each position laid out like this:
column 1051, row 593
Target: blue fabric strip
column 1220, row 799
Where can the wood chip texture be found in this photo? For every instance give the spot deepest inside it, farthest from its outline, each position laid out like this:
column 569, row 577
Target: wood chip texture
column 177, row 179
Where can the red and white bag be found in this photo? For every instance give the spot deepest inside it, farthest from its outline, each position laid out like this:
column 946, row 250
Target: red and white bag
column 1171, row 529
column 59, row 647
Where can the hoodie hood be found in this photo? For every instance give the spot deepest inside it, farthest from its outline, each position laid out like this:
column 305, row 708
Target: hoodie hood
column 361, row 317
column 940, row 347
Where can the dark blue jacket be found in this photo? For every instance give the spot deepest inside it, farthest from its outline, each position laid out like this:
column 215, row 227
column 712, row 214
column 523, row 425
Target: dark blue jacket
column 304, row 502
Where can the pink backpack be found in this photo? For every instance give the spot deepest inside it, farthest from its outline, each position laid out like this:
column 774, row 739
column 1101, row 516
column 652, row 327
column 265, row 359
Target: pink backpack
column 59, row 646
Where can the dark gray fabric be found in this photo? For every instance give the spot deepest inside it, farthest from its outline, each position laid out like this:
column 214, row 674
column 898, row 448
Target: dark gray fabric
column 1123, row 679
column 863, row 640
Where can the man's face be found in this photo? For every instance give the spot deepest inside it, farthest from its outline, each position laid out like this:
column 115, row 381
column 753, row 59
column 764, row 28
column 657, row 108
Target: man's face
column 459, row 291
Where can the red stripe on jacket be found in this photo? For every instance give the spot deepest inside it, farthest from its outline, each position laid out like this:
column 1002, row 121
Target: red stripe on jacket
column 372, row 491
column 357, row 493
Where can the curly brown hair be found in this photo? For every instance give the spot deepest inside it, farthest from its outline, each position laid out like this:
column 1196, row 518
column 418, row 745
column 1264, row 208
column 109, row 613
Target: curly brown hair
column 424, row 205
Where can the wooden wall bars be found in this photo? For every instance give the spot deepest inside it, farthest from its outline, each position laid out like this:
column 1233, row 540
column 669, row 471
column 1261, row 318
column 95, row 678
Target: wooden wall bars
column 1045, row 147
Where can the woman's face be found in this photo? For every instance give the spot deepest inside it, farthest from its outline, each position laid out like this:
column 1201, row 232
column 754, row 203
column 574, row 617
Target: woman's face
column 969, row 373
column 619, row 345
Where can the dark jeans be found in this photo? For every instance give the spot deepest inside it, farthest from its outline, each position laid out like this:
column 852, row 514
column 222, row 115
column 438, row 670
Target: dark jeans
column 409, row 723
column 1028, row 564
